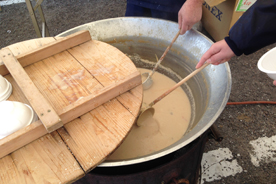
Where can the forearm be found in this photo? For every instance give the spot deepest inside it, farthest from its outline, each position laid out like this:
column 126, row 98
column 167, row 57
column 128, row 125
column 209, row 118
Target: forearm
column 196, row 1
column 255, row 29
column 194, row 4
column 189, row 14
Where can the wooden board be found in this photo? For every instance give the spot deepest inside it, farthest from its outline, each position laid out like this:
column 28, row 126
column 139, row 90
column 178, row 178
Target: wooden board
column 92, row 136
column 41, row 106
column 46, row 113
column 46, row 160
column 50, row 48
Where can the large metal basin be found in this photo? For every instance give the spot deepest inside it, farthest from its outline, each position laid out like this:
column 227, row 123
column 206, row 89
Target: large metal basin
column 144, row 37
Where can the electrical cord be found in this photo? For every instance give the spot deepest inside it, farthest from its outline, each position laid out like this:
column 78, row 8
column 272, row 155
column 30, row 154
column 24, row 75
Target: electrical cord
column 250, row 102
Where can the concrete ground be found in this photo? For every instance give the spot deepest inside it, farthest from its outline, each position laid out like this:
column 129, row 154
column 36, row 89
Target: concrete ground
column 247, row 153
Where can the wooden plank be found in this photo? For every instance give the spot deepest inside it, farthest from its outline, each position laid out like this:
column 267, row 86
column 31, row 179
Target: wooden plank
column 41, row 106
column 106, row 63
column 102, row 129
column 8, row 171
column 65, row 67
column 50, row 49
column 54, row 48
column 16, row 92
column 62, row 79
column 29, row 45
column 69, row 113
column 24, row 47
column 90, row 102
column 135, row 101
column 46, row 160
column 21, row 137
column 27, row 164
column 111, row 121
column 114, row 118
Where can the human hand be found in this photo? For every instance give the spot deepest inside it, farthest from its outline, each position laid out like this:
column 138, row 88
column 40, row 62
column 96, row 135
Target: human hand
column 189, row 14
column 274, row 82
column 218, row 53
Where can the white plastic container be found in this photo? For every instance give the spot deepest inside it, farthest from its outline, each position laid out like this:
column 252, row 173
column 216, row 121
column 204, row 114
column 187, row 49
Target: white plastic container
column 267, row 63
column 5, row 88
column 14, row 116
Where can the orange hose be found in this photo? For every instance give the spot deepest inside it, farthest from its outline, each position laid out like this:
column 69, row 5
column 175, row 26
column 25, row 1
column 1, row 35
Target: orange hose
column 250, row 102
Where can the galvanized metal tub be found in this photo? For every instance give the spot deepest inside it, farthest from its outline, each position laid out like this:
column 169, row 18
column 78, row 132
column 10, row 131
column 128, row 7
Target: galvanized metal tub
column 143, row 38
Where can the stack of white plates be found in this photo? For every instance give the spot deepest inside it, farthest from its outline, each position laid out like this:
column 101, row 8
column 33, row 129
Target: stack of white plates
column 5, row 88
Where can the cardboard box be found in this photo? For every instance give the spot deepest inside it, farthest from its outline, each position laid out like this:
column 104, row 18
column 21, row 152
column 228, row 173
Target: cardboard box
column 218, row 16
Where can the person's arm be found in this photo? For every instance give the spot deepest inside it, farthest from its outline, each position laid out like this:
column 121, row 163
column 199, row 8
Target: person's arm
column 218, row 53
column 189, row 14
column 253, row 31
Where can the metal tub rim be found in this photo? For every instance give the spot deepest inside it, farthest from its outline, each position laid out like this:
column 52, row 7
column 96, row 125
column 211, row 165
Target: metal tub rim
column 103, row 30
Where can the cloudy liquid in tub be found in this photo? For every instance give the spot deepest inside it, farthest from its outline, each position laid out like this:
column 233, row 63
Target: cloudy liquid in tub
column 169, row 123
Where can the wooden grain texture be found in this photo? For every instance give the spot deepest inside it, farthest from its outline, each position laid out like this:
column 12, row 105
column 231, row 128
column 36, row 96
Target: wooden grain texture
column 61, row 79
column 41, row 106
column 24, row 47
column 92, row 136
column 46, row 160
column 49, row 49
column 106, row 126
column 66, row 75
column 102, row 61
column 21, row 137
column 8, row 171
column 88, row 103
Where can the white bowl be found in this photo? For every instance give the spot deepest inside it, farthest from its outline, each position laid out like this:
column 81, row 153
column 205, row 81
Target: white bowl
column 267, row 63
column 5, row 88
column 14, row 116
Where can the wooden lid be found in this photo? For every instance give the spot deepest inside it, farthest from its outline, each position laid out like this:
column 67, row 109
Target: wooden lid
column 66, row 79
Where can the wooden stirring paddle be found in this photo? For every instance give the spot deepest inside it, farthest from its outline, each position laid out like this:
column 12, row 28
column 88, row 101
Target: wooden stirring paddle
column 149, row 110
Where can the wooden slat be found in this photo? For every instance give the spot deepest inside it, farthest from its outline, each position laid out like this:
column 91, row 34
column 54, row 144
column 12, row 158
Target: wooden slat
column 50, row 49
column 24, row 47
column 46, row 160
column 29, row 45
column 54, row 48
column 131, row 105
column 27, row 165
column 36, row 129
column 106, row 63
column 82, row 105
column 8, row 171
column 21, row 137
column 62, row 79
column 102, row 129
column 69, row 113
column 90, row 102
column 41, row 106
column 106, row 126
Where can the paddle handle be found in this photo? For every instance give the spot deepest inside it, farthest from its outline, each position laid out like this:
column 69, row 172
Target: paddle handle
column 178, row 84
column 164, row 54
